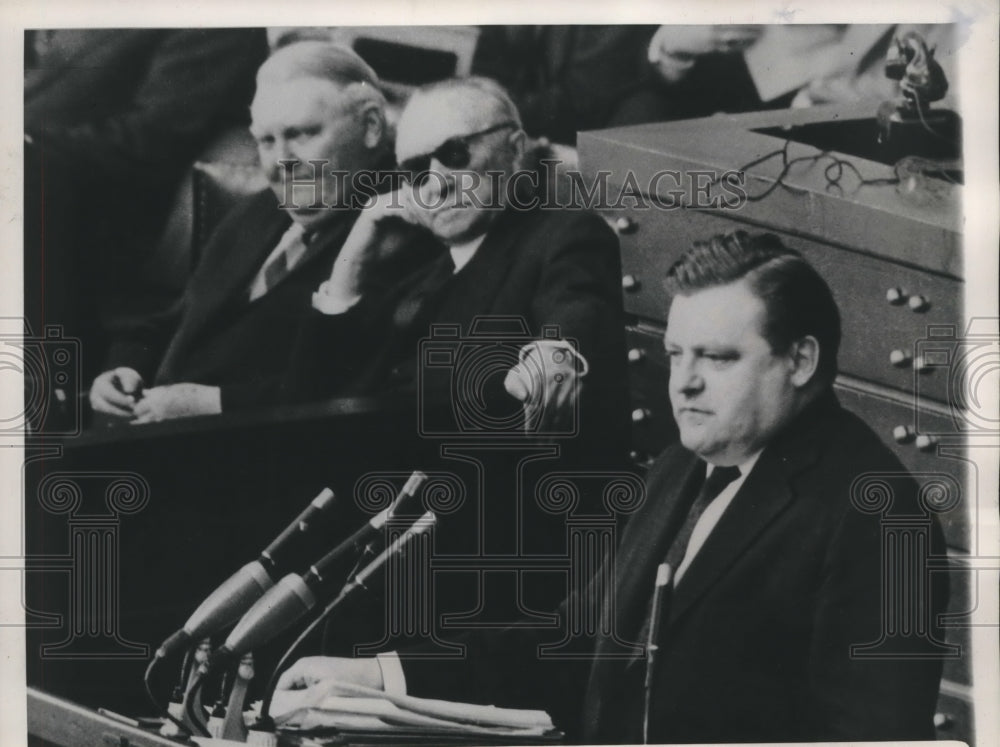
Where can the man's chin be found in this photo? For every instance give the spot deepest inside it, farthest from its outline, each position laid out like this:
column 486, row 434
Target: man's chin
column 308, row 218
column 697, row 442
column 459, row 227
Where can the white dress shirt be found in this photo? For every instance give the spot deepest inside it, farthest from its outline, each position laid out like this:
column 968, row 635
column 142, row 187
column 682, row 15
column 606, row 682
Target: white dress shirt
column 713, row 512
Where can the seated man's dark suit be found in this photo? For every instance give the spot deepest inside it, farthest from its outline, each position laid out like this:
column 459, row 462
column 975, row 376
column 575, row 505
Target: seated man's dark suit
column 756, row 644
column 216, row 335
column 558, row 268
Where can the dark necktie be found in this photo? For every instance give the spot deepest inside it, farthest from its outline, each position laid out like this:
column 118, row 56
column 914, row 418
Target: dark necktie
column 714, row 484
column 414, row 305
column 659, row 609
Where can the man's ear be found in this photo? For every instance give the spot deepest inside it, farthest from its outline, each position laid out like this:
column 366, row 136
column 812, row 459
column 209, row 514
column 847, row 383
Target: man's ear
column 375, row 127
column 518, row 144
column 804, row 360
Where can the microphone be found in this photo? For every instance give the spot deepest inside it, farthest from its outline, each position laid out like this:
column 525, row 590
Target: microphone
column 292, row 598
column 664, row 577
column 325, row 568
column 238, row 593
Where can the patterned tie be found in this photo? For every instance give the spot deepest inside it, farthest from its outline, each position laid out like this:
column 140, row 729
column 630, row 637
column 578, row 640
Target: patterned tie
column 278, row 267
column 276, row 270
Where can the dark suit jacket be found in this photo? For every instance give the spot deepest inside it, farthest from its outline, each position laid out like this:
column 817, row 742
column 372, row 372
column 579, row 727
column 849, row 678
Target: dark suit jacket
column 757, row 642
column 216, row 336
column 547, row 268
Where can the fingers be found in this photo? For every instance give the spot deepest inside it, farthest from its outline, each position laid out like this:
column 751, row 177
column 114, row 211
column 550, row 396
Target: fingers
column 108, row 407
column 113, row 392
column 129, row 380
column 152, row 407
column 311, row 670
column 294, row 678
column 735, row 38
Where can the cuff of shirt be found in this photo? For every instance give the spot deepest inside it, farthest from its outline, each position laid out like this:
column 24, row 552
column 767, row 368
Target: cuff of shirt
column 393, row 679
column 330, row 303
column 569, row 351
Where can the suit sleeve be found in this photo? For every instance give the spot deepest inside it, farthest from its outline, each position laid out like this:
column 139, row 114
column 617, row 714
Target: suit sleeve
column 197, row 81
column 579, row 287
column 854, row 693
column 142, row 345
column 579, row 291
column 330, row 352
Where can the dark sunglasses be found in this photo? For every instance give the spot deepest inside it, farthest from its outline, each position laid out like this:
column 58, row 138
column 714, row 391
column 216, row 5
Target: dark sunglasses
column 453, row 153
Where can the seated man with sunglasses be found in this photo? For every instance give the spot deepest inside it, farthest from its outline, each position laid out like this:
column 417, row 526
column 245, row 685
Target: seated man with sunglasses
column 543, row 283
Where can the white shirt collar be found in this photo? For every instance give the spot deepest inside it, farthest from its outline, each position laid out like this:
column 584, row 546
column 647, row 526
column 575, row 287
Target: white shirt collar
column 462, row 253
column 745, row 466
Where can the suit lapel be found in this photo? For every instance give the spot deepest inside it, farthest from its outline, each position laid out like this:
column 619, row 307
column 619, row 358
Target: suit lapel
column 479, row 282
column 766, row 492
column 648, row 536
column 760, row 499
column 671, row 486
column 326, row 237
column 236, row 265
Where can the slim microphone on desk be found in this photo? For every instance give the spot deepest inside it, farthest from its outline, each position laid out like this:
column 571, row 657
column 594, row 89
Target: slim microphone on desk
column 238, row 593
column 296, row 595
column 664, row 576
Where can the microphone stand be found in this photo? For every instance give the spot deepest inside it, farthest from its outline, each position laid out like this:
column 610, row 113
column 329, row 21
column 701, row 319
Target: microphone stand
column 423, row 524
column 664, row 576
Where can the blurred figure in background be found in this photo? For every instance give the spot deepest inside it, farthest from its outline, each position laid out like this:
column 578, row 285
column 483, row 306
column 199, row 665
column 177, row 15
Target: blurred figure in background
column 113, row 118
column 697, row 71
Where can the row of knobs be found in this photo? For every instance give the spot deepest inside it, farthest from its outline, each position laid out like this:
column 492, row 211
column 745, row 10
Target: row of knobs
column 896, row 296
column 901, row 434
column 916, row 302
column 904, row 359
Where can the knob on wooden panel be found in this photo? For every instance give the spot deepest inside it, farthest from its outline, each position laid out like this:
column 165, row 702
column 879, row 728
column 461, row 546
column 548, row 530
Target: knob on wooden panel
column 926, row 443
column 625, row 225
column 641, row 415
column 918, row 303
column 895, row 296
column 903, row 434
column 943, row 721
column 636, row 355
column 900, row 358
column 920, row 365
column 630, row 283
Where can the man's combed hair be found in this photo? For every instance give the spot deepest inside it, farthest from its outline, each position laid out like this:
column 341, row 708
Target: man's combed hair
column 506, row 107
column 797, row 301
column 317, row 59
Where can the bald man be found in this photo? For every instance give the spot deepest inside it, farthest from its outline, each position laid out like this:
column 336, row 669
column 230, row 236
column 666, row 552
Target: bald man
column 544, row 281
column 318, row 118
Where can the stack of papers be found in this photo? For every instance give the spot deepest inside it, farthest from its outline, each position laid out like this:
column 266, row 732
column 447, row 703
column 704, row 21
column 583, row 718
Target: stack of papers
column 358, row 710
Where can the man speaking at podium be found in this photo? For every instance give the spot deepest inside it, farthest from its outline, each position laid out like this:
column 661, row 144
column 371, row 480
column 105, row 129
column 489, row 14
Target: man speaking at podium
column 767, row 578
